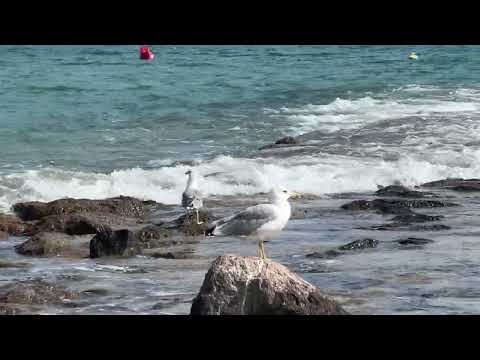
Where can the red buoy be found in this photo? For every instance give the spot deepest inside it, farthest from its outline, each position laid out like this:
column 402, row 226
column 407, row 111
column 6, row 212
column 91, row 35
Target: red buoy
column 146, row 53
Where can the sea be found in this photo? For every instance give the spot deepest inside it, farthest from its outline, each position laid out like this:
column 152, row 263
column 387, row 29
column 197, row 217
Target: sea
column 97, row 122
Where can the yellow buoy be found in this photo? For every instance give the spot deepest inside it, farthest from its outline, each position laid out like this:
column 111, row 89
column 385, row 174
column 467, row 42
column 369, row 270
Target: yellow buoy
column 413, row 56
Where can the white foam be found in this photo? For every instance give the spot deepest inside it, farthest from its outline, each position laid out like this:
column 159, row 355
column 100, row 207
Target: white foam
column 351, row 114
column 238, row 176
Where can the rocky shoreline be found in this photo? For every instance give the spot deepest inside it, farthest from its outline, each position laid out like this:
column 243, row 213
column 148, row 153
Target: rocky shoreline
column 126, row 227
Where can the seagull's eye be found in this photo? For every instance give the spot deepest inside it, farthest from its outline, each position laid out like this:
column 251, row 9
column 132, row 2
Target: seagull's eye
column 285, row 191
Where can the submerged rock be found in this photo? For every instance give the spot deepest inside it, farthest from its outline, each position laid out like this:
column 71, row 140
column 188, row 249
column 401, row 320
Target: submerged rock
column 414, row 241
column 11, row 264
column 287, row 140
column 414, row 217
column 397, row 226
column 354, row 245
column 329, row 254
column 34, row 292
column 394, row 206
column 250, row 286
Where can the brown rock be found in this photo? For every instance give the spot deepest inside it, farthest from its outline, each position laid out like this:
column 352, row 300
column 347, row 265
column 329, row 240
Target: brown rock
column 122, row 206
column 3, row 235
column 250, row 286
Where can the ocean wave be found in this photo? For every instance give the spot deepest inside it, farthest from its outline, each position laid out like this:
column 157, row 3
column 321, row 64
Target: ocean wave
column 351, row 114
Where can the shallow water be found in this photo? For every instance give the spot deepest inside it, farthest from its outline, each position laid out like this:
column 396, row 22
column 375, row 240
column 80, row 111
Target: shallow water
column 95, row 122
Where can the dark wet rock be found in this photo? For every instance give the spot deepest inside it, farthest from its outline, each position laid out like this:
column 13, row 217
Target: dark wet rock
column 123, row 206
column 45, row 244
column 414, row 217
column 457, row 184
column 35, row 292
column 287, row 140
column 360, row 245
column 11, row 264
column 250, row 286
column 329, row 254
column 394, row 206
column 414, row 241
column 3, row 235
column 354, row 245
column 400, row 191
column 96, row 292
column 13, row 225
column 110, row 242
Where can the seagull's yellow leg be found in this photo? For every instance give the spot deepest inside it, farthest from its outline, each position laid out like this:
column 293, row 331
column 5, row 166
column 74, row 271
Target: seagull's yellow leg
column 198, row 220
column 262, row 250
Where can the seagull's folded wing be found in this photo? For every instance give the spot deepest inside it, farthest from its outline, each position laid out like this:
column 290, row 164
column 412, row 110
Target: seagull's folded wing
column 247, row 221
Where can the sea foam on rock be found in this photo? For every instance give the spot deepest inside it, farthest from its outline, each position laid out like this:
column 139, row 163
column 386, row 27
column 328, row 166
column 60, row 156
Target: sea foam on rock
column 237, row 285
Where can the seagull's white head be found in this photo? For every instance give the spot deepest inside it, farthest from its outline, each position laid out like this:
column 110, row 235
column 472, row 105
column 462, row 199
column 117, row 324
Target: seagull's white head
column 280, row 194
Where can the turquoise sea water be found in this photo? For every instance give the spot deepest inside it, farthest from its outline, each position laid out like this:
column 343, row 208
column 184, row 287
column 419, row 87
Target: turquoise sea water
column 96, row 109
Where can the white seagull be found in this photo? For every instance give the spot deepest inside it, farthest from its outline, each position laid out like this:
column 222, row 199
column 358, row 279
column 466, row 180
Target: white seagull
column 259, row 222
column 192, row 197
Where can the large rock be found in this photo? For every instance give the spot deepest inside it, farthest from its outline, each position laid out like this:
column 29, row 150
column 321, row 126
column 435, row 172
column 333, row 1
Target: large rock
column 124, row 206
column 53, row 244
column 250, row 286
